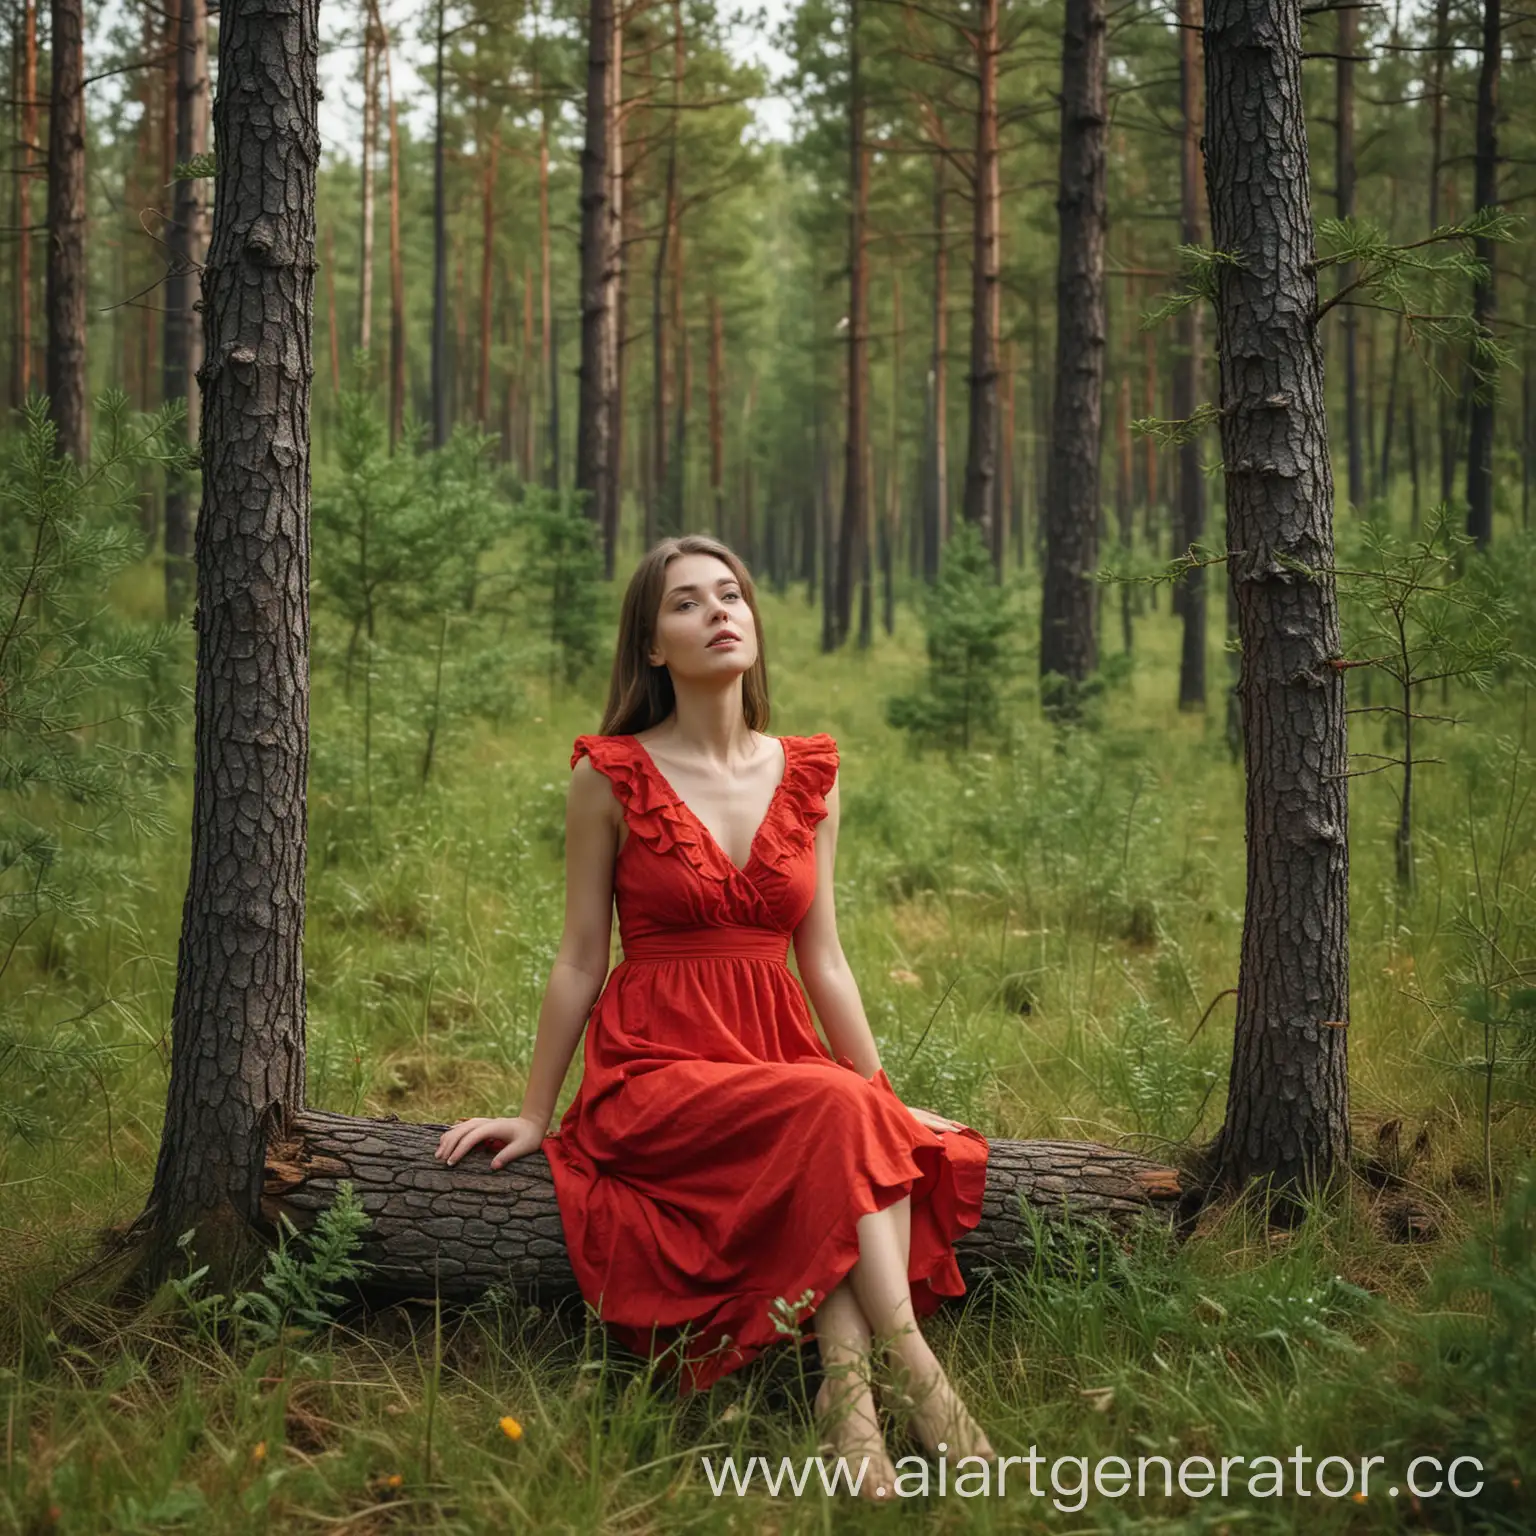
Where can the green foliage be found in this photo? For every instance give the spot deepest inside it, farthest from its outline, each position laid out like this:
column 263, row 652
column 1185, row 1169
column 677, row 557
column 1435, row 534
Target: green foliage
column 558, row 581
column 971, row 624
column 80, row 707
column 401, row 533
column 1408, row 612
column 297, row 1291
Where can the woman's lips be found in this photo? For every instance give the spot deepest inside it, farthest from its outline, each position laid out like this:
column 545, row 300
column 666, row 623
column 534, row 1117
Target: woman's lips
column 723, row 640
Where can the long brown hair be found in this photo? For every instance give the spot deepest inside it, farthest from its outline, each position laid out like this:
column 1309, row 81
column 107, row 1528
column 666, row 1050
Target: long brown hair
column 640, row 695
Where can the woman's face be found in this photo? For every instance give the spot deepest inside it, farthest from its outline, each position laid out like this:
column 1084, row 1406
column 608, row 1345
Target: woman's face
column 702, row 603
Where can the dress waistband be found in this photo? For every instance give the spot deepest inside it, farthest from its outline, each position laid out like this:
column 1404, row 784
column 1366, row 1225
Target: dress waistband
column 709, row 942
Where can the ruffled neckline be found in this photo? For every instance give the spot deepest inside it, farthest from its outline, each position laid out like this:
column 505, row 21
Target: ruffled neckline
column 660, row 817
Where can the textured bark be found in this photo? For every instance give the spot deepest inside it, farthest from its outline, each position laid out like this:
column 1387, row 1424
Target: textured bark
column 187, row 243
column 1480, row 422
column 237, row 1017
column 66, row 232
column 602, row 183
column 1068, row 640
column 1187, row 371
column 980, row 505
column 463, row 1229
column 1287, row 1104
column 852, row 532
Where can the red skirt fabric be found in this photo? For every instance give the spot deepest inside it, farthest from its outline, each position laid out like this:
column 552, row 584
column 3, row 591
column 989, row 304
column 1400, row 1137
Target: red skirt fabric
column 714, row 1164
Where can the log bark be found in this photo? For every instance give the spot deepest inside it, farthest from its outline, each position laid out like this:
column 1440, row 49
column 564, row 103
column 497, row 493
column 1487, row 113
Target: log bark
column 237, row 1015
column 1288, row 1095
column 463, row 1229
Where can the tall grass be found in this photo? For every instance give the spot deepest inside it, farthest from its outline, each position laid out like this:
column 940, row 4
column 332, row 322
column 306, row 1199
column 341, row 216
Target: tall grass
column 1042, row 932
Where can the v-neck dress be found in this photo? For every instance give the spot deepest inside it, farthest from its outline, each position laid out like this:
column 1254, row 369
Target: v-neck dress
column 711, row 1171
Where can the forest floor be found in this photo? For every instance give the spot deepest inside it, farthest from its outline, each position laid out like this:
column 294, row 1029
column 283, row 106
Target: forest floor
column 1038, row 929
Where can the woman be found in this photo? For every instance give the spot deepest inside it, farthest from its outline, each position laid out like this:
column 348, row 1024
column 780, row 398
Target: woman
column 719, row 1174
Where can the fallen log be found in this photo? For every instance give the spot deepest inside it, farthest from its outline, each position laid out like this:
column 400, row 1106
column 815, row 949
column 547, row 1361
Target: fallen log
column 462, row 1229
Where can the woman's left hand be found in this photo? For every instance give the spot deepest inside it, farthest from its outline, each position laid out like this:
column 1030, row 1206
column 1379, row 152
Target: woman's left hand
column 938, row 1124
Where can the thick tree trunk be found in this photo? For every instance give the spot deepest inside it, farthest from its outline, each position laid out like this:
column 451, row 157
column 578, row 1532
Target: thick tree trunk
column 460, row 1230
column 237, row 1017
column 602, row 215
column 851, row 532
column 1068, row 641
column 66, row 233
column 1480, row 424
column 1187, row 369
column 1287, row 1098
column 187, row 240
column 986, row 287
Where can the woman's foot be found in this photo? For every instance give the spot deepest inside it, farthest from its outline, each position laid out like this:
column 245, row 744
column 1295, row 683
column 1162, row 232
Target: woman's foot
column 845, row 1416
column 937, row 1415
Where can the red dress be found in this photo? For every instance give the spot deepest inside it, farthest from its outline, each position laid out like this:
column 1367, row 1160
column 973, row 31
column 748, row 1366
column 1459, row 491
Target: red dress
column 715, row 1156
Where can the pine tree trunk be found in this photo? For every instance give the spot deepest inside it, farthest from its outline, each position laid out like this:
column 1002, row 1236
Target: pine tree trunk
column 66, row 282
column 717, row 425
column 855, row 485
column 601, row 254
column 1187, row 384
column 936, row 496
column 186, row 240
column 439, row 252
column 1344, row 199
column 980, row 504
column 1068, row 641
column 396, row 255
column 1287, row 1101
column 237, row 1017
column 23, row 357
column 1484, row 299
column 487, row 278
column 365, row 173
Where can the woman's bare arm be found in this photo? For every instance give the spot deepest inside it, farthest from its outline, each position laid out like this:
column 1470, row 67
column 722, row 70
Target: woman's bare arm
column 581, row 963
column 824, row 969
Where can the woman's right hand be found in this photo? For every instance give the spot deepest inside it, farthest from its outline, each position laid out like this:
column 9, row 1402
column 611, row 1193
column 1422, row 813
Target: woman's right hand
column 519, row 1136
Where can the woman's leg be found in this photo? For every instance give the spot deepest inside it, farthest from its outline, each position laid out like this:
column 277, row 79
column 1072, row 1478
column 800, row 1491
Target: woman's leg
column 845, row 1404
column 879, row 1281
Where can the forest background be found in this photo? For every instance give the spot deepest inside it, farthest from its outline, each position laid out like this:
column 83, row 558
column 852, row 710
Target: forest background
column 1043, row 909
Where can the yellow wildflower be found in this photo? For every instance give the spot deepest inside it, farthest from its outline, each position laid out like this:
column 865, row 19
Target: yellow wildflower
column 511, row 1428
column 259, row 1451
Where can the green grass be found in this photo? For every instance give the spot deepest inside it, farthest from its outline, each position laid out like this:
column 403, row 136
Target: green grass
column 1037, row 932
